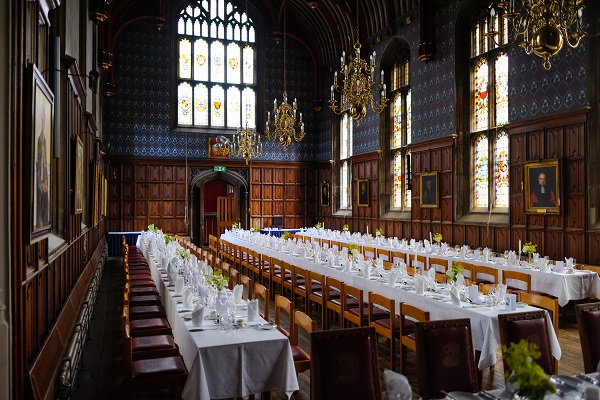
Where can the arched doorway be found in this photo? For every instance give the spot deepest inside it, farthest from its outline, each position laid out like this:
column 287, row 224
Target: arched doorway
column 206, row 187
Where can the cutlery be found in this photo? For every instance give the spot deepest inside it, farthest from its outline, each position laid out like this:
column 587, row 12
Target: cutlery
column 488, row 395
column 558, row 381
column 448, row 395
column 588, row 379
column 176, row 295
column 184, row 310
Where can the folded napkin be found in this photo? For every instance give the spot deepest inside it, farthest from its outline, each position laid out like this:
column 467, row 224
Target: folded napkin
column 569, row 262
column 367, row 271
column 188, row 298
column 392, row 277
column 348, row 267
column 455, row 296
column 460, row 280
column 194, row 259
column 396, row 385
column 330, row 261
column 316, row 257
column 165, row 263
column 487, row 254
column 202, row 290
column 253, row 315
column 463, row 251
column 173, row 276
column 543, row 263
column 500, row 292
column 431, row 275
column 238, row 292
column 419, row 285
column 379, row 263
column 198, row 315
column 179, row 284
column 207, row 269
column 559, row 266
column 512, row 258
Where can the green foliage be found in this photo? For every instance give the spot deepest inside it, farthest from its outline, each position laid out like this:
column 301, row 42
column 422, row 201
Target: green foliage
column 286, row 235
column 532, row 382
column 168, row 239
column 454, row 271
column 217, row 280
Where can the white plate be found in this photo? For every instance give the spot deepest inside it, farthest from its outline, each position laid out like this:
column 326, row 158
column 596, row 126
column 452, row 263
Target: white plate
column 266, row 327
column 462, row 396
column 521, row 304
column 187, row 317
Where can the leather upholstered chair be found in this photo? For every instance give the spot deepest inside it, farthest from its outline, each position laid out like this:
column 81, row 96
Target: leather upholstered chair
column 446, row 360
column 345, row 364
column 588, row 321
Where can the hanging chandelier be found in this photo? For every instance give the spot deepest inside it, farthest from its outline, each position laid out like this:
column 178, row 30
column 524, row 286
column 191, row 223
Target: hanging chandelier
column 246, row 144
column 284, row 126
column 542, row 25
column 357, row 90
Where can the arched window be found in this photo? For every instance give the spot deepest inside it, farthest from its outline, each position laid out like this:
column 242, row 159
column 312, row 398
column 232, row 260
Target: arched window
column 401, row 133
column 489, row 113
column 216, row 85
column 345, row 155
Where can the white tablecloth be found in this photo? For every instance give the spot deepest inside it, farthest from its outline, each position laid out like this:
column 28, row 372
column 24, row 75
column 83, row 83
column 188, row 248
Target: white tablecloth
column 227, row 364
column 564, row 286
column 484, row 320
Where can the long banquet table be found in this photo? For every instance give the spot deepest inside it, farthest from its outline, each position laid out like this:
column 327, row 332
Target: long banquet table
column 579, row 285
column 484, row 320
column 233, row 364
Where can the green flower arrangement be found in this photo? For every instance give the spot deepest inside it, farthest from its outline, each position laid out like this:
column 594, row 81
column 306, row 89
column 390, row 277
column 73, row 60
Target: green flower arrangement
column 530, row 379
column 234, row 225
column 438, row 237
column 152, row 228
column 168, row 239
column 285, row 236
column 318, row 225
column 184, row 254
column 454, row 271
column 253, row 229
column 217, row 280
column 346, row 228
column 379, row 232
column 529, row 248
column 353, row 250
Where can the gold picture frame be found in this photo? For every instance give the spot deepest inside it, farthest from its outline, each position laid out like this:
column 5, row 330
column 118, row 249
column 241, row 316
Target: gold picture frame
column 325, row 195
column 542, row 187
column 429, row 190
column 78, row 198
column 363, row 192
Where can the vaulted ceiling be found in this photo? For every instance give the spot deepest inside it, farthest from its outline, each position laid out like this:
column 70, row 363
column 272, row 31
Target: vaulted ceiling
column 327, row 27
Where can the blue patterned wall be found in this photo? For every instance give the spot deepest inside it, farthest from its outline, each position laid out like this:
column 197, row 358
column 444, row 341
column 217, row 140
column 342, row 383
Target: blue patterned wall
column 137, row 118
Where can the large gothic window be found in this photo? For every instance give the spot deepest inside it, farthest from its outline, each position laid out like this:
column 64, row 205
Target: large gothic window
column 345, row 155
column 401, row 133
column 216, row 85
column 489, row 113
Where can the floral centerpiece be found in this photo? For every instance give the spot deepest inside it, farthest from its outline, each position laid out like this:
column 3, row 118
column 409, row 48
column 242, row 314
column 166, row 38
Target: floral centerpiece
column 523, row 373
column 318, row 225
column 152, row 228
column 437, row 237
column 379, row 232
column 217, row 280
column 345, row 228
column 285, row 236
column 235, row 225
column 253, row 229
column 168, row 239
column 354, row 250
column 454, row 271
column 529, row 248
column 184, row 254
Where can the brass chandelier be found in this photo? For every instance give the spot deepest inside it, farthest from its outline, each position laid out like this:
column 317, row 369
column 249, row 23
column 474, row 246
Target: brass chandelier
column 543, row 25
column 284, row 125
column 357, row 90
column 246, row 144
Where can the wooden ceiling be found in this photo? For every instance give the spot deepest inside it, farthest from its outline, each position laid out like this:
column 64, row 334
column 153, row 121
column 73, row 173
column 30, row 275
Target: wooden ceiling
column 326, row 27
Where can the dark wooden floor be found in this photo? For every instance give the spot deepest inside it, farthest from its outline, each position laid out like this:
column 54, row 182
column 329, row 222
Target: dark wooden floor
column 101, row 376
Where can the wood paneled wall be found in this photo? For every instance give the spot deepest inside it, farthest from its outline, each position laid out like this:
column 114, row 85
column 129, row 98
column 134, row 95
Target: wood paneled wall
column 561, row 136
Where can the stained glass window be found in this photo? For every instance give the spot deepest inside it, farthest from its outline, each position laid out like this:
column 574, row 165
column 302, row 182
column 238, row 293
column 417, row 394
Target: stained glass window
column 489, row 110
column 211, row 36
column 501, row 178
column 345, row 137
column 481, row 171
column 401, row 135
column 501, row 72
column 344, row 186
column 345, row 154
column 408, row 180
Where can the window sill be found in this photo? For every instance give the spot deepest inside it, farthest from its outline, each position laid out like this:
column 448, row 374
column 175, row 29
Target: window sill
column 484, row 218
column 54, row 243
column 398, row 215
column 342, row 213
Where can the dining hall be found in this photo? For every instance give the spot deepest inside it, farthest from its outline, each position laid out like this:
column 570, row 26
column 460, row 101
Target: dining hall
column 275, row 199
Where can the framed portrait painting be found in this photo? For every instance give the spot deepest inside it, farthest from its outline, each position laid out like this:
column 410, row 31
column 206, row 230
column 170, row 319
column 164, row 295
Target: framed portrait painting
column 542, row 187
column 428, row 187
column 325, row 194
column 78, row 207
column 39, row 120
column 363, row 192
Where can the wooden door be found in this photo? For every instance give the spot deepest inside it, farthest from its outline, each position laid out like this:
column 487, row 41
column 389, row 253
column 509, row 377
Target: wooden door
column 225, row 213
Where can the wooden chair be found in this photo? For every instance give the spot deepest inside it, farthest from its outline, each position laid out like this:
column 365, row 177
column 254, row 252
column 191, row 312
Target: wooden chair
column 150, row 375
column 234, row 277
column 314, row 287
column 287, row 274
column 139, row 311
column 333, row 302
column 397, row 256
column 254, row 263
column 489, row 272
column 265, row 271
column 508, row 275
column 387, row 265
column 299, row 283
column 369, row 252
column 354, row 309
column 418, row 262
column 143, row 300
column 388, row 327
column 325, row 243
column 283, row 304
column 445, row 357
column 146, row 326
column 248, row 284
column 531, row 326
column 441, row 266
column 385, row 255
column 409, row 315
column 542, row 301
column 276, row 277
column 261, row 292
column 336, row 245
column 245, row 260
column 301, row 357
column 333, row 376
column 588, row 322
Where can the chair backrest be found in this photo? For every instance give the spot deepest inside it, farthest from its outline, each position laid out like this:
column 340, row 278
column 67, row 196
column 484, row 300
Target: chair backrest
column 301, row 320
column 246, row 281
column 335, row 245
column 531, row 326
column 439, row 264
column 446, row 357
column 541, row 301
column 508, row 276
column 233, row 277
column 383, row 302
column 594, row 268
column 397, row 256
column 262, row 292
column 369, row 251
column 489, row 272
column 332, row 283
column 283, row 304
column 588, row 322
column 345, row 364
column 385, row 255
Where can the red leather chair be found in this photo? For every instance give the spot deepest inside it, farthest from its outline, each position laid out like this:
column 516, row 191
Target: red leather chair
column 445, row 357
column 531, row 326
column 345, row 364
column 588, row 321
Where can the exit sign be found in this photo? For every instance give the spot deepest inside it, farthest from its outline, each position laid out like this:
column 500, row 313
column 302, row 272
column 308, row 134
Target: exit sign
column 219, row 168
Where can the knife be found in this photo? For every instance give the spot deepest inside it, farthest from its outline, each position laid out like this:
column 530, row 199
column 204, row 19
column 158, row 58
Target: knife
column 588, row 379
